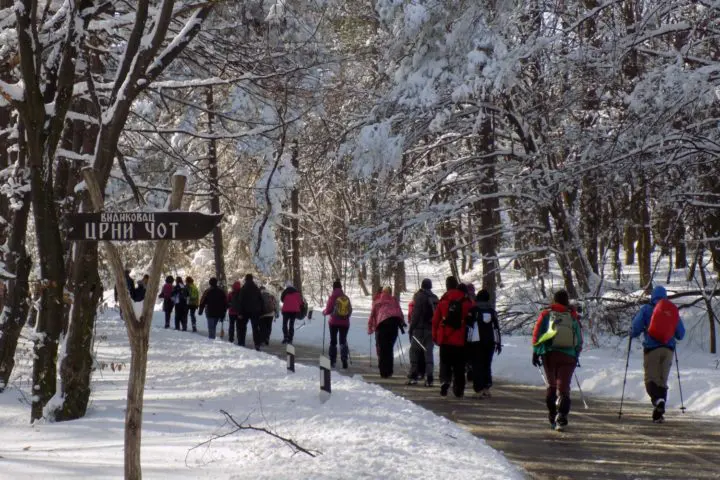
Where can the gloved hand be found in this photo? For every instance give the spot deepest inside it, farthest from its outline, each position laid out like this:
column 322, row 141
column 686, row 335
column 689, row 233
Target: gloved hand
column 536, row 360
column 498, row 348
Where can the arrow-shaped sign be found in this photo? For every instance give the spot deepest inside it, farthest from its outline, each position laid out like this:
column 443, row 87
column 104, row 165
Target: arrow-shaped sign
column 133, row 226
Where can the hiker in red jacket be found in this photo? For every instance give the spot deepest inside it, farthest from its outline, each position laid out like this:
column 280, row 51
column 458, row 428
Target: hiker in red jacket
column 385, row 319
column 557, row 342
column 448, row 332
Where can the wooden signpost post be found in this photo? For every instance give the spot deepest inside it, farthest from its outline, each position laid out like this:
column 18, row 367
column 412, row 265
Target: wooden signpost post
column 107, row 227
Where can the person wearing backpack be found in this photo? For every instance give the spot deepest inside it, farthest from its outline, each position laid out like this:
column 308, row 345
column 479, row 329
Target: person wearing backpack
column 213, row 304
column 292, row 305
column 448, row 332
column 166, row 294
column 180, row 299
column 420, row 315
column 248, row 303
column 193, row 300
column 386, row 317
column 557, row 342
column 483, row 340
column 141, row 288
column 269, row 313
column 339, row 308
column 662, row 326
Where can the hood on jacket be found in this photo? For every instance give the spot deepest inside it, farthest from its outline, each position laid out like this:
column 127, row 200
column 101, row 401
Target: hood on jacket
column 236, row 286
column 658, row 294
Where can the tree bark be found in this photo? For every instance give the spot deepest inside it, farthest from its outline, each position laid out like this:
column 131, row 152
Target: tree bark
column 644, row 241
column 17, row 262
column 218, row 249
column 295, row 222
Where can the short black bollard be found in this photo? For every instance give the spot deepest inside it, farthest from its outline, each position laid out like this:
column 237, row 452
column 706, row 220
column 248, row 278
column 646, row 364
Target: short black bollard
column 290, row 351
column 325, row 369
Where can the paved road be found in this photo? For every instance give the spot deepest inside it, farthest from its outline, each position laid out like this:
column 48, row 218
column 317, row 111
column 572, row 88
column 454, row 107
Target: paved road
column 597, row 445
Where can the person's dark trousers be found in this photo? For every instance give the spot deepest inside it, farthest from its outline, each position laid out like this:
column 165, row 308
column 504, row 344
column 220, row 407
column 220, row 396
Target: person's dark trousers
column 212, row 326
column 559, row 369
column 257, row 332
column 233, row 322
column 266, row 328
column 480, row 357
column 167, row 308
column 181, row 317
column 242, row 330
column 288, row 327
column 421, row 359
column 385, row 336
column 342, row 332
column 193, row 320
column 452, row 368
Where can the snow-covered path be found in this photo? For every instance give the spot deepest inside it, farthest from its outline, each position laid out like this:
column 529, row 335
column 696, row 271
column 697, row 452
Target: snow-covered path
column 362, row 432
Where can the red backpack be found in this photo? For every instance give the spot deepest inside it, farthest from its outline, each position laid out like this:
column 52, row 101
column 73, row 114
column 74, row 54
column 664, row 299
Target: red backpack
column 664, row 321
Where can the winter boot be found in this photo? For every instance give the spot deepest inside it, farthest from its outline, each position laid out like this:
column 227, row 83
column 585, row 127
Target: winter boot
column 429, row 381
column 332, row 354
column 550, row 402
column 344, row 354
column 659, row 411
column 563, row 407
column 444, row 389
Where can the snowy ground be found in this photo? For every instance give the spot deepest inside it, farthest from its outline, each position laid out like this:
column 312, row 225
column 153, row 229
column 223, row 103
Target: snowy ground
column 361, row 432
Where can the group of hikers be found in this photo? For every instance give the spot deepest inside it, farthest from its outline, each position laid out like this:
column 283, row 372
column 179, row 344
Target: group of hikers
column 463, row 324
column 245, row 302
column 465, row 327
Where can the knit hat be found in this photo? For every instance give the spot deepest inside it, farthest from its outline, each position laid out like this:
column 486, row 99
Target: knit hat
column 213, row 282
column 483, row 296
column 337, row 284
column 451, row 283
column 426, row 284
column 561, row 297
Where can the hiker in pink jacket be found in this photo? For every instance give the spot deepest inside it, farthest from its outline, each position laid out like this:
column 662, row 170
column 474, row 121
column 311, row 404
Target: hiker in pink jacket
column 385, row 319
column 339, row 308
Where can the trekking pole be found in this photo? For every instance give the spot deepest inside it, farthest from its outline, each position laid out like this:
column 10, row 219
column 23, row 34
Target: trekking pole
column 370, row 349
column 677, row 366
column 402, row 354
column 627, row 364
column 582, row 396
column 324, row 325
column 542, row 375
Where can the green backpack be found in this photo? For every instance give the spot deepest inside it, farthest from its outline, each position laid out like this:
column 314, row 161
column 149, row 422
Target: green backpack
column 560, row 332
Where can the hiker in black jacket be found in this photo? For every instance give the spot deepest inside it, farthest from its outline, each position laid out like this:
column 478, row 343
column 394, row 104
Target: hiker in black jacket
column 248, row 303
column 213, row 303
column 420, row 332
column 483, row 340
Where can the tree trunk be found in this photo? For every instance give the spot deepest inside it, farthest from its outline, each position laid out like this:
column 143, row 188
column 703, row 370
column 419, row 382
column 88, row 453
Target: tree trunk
column 17, row 262
column 134, row 411
column 77, row 365
column 680, row 247
column 218, row 249
column 488, row 207
column 709, row 307
column 590, row 221
column 295, row 222
column 645, row 241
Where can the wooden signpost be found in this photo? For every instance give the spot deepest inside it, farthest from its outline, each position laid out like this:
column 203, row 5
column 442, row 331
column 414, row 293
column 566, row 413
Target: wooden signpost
column 134, row 226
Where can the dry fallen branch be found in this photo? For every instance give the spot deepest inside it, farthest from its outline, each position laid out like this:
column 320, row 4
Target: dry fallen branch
column 243, row 426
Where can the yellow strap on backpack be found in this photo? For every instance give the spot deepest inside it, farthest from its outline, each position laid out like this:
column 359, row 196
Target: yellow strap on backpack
column 549, row 334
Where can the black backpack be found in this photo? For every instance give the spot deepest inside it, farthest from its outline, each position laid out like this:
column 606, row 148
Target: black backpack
column 480, row 326
column 454, row 319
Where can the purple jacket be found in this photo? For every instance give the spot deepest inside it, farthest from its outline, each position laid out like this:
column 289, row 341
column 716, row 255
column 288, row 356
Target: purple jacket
column 330, row 306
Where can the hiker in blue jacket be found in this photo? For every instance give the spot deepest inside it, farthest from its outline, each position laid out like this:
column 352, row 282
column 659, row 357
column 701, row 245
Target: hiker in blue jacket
column 657, row 356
